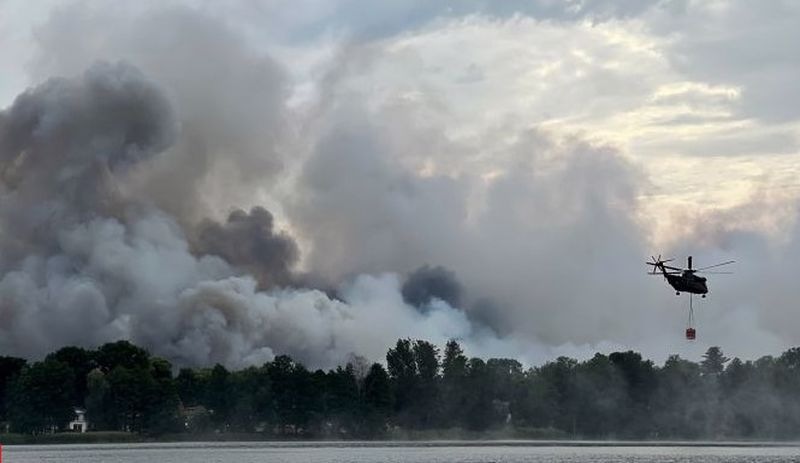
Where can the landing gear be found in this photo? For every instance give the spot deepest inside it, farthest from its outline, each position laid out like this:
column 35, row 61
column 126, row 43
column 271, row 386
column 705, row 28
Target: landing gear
column 677, row 293
column 703, row 296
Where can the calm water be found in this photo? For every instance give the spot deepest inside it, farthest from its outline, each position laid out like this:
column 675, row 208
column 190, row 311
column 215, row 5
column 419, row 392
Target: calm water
column 508, row 452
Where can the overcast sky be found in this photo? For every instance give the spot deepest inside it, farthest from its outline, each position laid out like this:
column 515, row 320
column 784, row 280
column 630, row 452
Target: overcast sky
column 541, row 150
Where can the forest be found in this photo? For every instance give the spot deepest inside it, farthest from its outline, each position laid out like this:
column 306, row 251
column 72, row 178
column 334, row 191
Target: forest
column 420, row 388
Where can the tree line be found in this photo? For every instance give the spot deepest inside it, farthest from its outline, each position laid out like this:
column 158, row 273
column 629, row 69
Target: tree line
column 621, row 395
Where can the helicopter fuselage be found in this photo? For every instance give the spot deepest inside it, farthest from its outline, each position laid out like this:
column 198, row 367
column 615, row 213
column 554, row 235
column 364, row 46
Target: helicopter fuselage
column 687, row 282
column 684, row 280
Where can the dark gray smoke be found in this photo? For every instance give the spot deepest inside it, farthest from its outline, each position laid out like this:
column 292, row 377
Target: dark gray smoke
column 427, row 283
column 87, row 260
column 62, row 144
column 228, row 99
column 250, row 242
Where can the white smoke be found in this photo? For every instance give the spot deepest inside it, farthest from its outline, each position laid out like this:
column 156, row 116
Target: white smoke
column 87, row 262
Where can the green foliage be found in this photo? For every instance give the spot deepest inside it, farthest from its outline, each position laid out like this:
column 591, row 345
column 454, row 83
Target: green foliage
column 342, row 403
column 218, row 399
column 425, row 406
column 81, row 362
column 191, row 386
column 478, row 400
column 713, row 361
column 419, row 394
column 10, row 368
column 41, row 397
column 160, row 413
column 453, row 390
column 121, row 354
column 378, row 399
column 252, row 399
column 403, row 373
column 298, row 395
column 131, row 391
column 96, row 398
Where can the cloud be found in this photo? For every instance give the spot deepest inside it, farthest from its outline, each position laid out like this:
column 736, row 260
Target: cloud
column 742, row 44
column 363, row 20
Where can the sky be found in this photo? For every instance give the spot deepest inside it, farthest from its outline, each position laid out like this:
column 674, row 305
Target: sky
column 532, row 153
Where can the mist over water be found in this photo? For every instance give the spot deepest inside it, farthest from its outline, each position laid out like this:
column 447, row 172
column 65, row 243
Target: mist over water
column 405, row 453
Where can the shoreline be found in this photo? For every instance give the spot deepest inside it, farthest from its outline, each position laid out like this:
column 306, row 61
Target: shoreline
column 237, row 440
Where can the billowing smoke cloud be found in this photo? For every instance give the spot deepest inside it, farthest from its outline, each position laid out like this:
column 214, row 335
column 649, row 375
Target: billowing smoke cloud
column 85, row 262
column 249, row 241
column 520, row 239
column 427, row 283
column 62, row 143
column 228, row 99
column 116, row 184
column 142, row 267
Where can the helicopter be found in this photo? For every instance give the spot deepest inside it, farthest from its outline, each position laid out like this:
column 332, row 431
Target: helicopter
column 685, row 280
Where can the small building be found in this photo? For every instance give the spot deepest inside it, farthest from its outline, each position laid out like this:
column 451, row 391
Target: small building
column 79, row 423
column 197, row 418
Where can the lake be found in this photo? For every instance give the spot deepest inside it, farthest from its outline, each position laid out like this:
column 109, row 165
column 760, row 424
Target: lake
column 399, row 452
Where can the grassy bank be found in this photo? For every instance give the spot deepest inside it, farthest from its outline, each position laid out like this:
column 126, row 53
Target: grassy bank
column 397, row 435
column 463, row 434
column 105, row 437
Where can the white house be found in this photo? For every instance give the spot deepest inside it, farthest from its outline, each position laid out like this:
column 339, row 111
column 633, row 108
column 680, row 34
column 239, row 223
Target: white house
column 79, row 423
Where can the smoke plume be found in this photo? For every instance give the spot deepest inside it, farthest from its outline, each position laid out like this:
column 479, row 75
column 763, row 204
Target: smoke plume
column 249, row 241
column 85, row 262
column 427, row 283
column 187, row 197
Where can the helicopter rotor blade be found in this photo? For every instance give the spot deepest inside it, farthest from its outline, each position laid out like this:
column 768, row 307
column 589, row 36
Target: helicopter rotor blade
column 656, row 262
column 717, row 265
column 716, row 273
column 660, row 264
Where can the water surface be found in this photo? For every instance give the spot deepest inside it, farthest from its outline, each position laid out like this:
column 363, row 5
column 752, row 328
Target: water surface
column 393, row 452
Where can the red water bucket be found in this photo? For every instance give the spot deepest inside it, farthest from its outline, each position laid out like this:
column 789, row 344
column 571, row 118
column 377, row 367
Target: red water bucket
column 690, row 334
